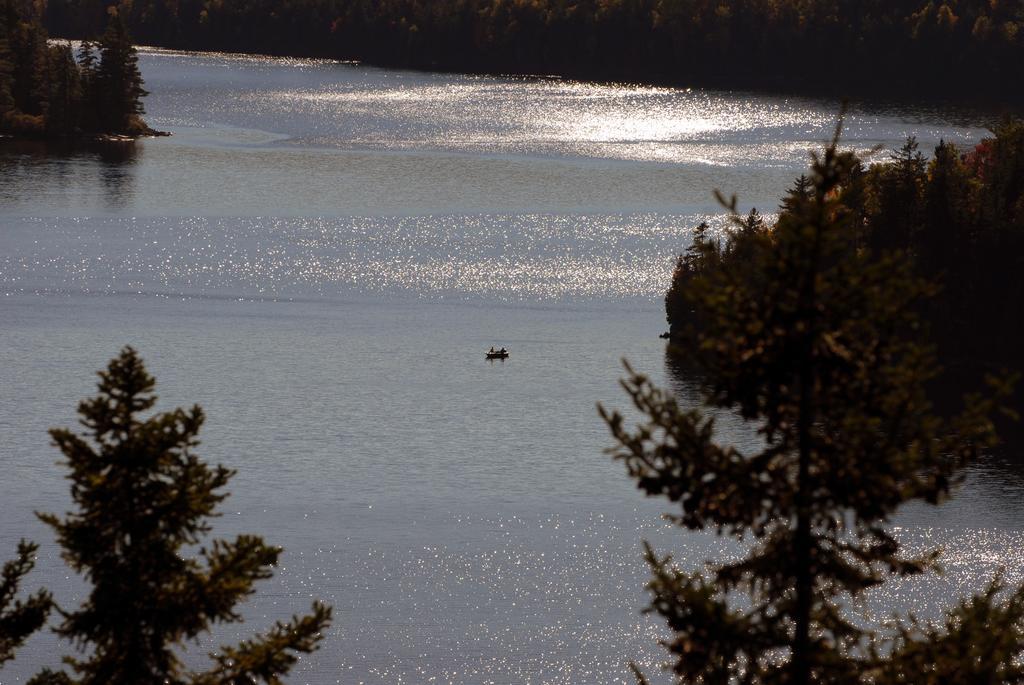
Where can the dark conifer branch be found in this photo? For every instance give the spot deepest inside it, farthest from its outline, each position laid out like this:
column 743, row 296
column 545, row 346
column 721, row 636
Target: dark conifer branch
column 142, row 495
column 20, row 618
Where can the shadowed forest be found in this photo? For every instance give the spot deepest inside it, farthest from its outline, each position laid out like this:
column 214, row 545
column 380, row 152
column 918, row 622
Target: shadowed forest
column 953, row 49
column 46, row 90
column 959, row 216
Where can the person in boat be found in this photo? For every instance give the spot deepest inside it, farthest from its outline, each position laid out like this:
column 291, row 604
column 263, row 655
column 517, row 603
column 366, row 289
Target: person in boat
column 502, row 351
column 492, row 350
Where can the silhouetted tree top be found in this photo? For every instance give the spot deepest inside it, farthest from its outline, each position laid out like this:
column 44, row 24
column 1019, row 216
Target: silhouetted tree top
column 142, row 498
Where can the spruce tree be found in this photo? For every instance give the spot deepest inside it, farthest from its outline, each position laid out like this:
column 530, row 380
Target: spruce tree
column 894, row 208
column 816, row 343
column 696, row 259
column 800, row 192
column 64, row 112
column 20, row 618
column 118, row 80
column 6, row 64
column 88, row 65
column 143, row 498
column 31, row 66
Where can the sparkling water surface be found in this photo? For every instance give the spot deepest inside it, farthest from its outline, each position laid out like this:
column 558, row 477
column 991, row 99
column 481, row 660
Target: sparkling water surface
column 319, row 257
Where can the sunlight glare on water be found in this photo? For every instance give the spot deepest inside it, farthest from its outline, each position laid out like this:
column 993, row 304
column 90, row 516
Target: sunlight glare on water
column 508, row 258
column 344, row 105
column 537, row 116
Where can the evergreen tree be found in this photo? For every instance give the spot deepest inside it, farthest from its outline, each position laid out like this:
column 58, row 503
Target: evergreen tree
column 797, row 195
column 1002, row 201
column 142, row 498
column 948, row 245
column 894, row 207
column 814, row 341
column 6, row 64
column 88, row 65
column 20, row 618
column 118, row 81
column 946, row 206
column 702, row 254
column 746, row 234
column 65, row 97
column 31, row 68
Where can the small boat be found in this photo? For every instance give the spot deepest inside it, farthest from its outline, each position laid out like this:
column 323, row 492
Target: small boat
column 498, row 354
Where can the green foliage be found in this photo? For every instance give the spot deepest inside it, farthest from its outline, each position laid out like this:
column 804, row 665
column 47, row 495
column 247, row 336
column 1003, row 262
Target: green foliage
column 45, row 92
column 815, row 341
column 6, row 71
column 65, row 97
column 20, row 618
column 143, row 497
column 118, row 83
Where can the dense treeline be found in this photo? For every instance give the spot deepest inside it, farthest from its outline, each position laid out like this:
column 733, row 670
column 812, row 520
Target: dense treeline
column 960, row 217
column 946, row 48
column 48, row 91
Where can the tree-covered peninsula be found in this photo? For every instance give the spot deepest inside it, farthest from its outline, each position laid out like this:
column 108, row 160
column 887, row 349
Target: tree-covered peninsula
column 958, row 216
column 936, row 48
column 49, row 91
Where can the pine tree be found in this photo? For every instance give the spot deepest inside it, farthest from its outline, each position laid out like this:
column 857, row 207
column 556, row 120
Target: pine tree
column 88, row 65
column 118, row 80
column 142, row 498
column 31, row 68
column 895, row 207
column 702, row 254
column 946, row 211
column 65, row 97
column 815, row 342
column 798, row 194
column 20, row 618
column 6, row 63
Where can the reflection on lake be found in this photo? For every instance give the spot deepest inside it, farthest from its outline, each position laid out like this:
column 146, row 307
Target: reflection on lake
column 320, row 256
column 101, row 174
column 992, row 496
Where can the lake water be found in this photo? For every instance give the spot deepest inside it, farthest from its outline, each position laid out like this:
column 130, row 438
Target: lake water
column 321, row 254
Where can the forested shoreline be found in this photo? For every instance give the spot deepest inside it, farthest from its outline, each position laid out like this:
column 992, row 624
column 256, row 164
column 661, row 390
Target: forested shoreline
column 959, row 217
column 956, row 49
column 48, row 91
